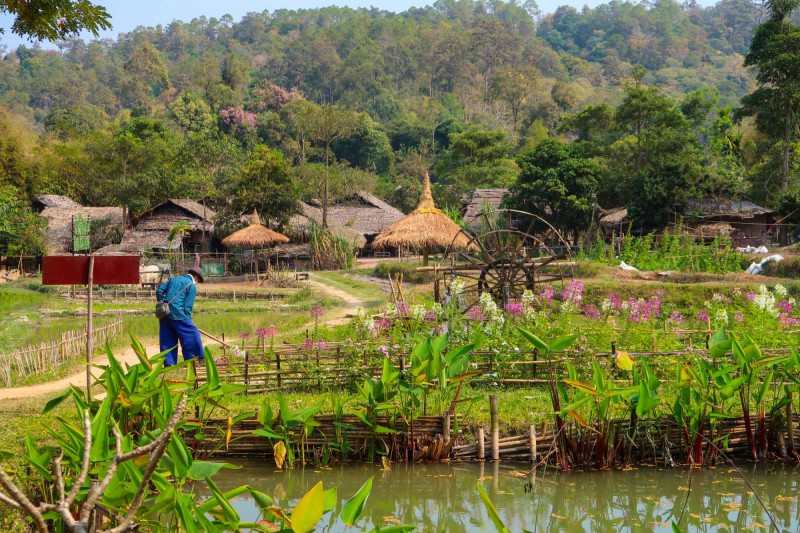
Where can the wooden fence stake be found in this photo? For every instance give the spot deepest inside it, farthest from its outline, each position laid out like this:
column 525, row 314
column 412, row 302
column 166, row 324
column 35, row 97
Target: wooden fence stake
column 533, row 444
column 495, row 428
column 481, row 444
column 446, row 427
column 246, row 370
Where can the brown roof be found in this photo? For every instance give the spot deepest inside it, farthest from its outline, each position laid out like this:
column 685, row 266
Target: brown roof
column 59, row 224
column 254, row 236
column 614, row 217
column 359, row 215
column 426, row 227
column 140, row 240
column 725, row 207
column 166, row 215
column 480, row 198
column 55, row 200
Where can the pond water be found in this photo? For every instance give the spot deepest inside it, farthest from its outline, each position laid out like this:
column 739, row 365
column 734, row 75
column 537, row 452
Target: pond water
column 443, row 497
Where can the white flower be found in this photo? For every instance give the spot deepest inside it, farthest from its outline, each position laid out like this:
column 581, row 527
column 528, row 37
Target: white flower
column 780, row 291
column 721, row 316
column 607, row 306
column 418, row 312
column 528, row 298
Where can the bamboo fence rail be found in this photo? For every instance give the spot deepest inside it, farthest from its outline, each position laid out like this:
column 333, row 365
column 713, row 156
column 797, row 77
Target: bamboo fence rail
column 44, row 356
column 140, row 294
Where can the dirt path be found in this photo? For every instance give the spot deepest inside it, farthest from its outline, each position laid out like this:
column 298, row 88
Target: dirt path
column 78, row 379
column 126, row 355
column 340, row 316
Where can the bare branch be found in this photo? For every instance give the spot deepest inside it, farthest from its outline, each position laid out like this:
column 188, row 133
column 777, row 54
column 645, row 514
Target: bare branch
column 9, row 501
column 59, row 473
column 162, row 442
column 18, row 496
column 96, row 492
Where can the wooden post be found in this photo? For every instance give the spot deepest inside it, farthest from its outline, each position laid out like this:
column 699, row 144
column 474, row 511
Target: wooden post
column 89, row 330
column 495, row 428
column 278, row 367
column 533, row 444
column 481, row 444
column 446, row 427
column 246, row 370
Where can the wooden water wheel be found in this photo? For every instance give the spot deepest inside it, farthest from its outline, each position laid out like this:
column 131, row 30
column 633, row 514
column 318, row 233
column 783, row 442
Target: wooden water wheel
column 509, row 252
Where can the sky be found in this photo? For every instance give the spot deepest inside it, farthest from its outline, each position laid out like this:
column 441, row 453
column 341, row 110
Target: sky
column 126, row 15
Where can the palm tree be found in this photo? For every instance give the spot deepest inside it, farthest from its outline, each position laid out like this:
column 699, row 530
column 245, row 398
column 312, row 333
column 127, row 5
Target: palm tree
column 179, row 230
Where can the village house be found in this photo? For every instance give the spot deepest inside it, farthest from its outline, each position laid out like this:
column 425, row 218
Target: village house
column 107, row 223
column 151, row 230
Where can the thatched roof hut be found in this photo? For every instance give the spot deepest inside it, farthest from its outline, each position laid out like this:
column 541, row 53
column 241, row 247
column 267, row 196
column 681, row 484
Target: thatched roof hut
column 254, row 236
column 152, row 227
column 426, row 227
column 59, row 225
column 359, row 218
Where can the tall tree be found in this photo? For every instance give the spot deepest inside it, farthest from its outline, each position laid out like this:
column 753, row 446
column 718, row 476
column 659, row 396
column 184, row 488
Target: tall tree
column 774, row 56
column 55, row 19
column 326, row 125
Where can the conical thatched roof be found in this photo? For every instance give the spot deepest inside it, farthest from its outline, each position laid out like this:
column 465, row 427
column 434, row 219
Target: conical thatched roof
column 425, row 227
column 254, row 236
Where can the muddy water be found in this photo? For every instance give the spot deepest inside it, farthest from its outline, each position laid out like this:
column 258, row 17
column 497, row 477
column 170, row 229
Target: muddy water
column 443, row 497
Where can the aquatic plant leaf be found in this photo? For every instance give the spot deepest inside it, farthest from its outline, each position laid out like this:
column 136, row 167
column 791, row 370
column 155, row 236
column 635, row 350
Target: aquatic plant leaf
column 55, row 402
column 227, row 509
column 308, row 510
column 212, row 374
column 351, row 511
column 330, row 498
column 578, row 418
column 279, row 451
column 492, row 510
column 581, row 386
column 624, row 361
column 562, row 343
column 262, row 500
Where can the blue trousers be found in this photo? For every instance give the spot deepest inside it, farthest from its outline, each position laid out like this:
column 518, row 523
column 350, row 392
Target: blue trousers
column 171, row 331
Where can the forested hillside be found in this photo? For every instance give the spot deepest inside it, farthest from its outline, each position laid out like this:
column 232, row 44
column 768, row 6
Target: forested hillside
column 290, row 104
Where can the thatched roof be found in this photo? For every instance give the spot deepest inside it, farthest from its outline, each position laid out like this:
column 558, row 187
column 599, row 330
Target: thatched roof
column 483, row 198
column 355, row 218
column 59, row 224
column 712, row 230
column 425, row 227
column 138, row 240
column 612, row 218
column 43, row 201
column 725, row 207
column 254, row 236
column 166, row 215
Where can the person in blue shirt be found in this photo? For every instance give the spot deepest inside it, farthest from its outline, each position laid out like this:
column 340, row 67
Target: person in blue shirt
column 180, row 292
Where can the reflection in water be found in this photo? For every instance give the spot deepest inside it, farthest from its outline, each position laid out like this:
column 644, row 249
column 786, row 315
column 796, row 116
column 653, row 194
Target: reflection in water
column 443, row 497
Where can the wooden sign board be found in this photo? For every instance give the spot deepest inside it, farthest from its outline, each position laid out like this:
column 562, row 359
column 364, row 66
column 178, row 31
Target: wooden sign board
column 74, row 270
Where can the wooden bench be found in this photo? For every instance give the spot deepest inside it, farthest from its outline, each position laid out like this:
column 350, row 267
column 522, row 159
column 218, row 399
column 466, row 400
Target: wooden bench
column 383, row 253
column 298, row 276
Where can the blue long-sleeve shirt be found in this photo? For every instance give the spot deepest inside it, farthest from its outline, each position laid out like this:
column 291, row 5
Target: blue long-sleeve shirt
column 181, row 307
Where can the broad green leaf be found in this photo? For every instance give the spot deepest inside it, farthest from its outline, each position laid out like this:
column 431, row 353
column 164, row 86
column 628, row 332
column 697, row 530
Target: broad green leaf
column 492, row 510
column 262, row 500
column 55, row 402
column 331, row 498
column 561, row 344
column 200, row 470
column 351, row 511
column 212, row 374
column 308, row 511
column 230, row 513
column 538, row 343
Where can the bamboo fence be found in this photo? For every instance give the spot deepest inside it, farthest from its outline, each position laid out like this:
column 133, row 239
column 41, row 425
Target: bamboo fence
column 45, row 356
column 140, row 294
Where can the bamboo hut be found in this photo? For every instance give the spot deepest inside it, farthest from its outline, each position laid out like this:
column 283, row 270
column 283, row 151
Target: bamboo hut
column 426, row 227
column 254, row 236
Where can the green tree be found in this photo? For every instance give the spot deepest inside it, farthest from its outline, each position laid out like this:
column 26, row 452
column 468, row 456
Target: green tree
column 774, row 56
column 478, row 157
column 264, row 185
column 191, row 112
column 556, row 183
column 145, row 77
column 55, row 19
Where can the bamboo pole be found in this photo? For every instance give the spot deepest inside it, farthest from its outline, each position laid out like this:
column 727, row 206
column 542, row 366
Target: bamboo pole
column 495, row 428
column 481, row 444
column 89, row 329
column 533, row 444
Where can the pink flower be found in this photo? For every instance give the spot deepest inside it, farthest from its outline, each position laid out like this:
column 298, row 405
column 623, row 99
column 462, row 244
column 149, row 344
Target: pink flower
column 320, row 344
column 402, row 309
column 316, row 312
column 573, row 292
column 430, row 316
column 591, row 311
column 476, row 313
column 788, row 320
column 785, row 306
column 676, row 317
column 547, row 295
column 271, row 331
column 384, row 350
column 615, row 300
column 702, row 315
column 750, row 296
column 308, row 344
column 514, row 308
column 245, row 335
column 738, row 316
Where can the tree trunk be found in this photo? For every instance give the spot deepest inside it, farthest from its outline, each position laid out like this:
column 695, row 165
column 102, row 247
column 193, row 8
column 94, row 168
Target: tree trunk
column 425, row 253
column 325, row 192
column 787, row 130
